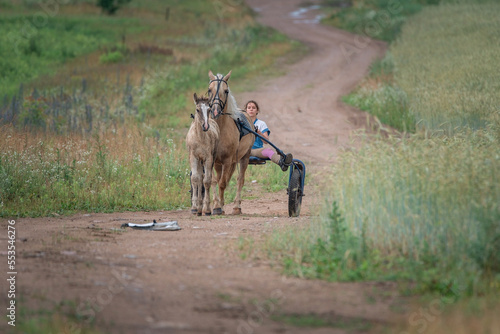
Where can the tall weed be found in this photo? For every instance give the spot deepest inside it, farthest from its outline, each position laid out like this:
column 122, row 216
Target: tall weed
column 446, row 63
column 45, row 175
column 422, row 208
column 387, row 102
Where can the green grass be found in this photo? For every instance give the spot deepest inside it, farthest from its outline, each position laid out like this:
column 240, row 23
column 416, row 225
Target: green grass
column 379, row 19
column 447, row 90
column 61, row 317
column 27, row 52
column 421, row 209
column 456, row 85
column 111, row 57
column 105, row 131
column 249, row 51
column 430, row 201
column 386, row 101
column 379, row 96
column 113, row 172
column 322, row 321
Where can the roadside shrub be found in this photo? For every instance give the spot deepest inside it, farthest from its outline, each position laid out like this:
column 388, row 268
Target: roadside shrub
column 387, row 102
column 111, row 6
column 337, row 254
column 111, row 57
column 33, row 114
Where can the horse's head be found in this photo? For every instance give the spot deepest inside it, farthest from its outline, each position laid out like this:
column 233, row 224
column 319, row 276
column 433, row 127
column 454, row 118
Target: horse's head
column 218, row 92
column 202, row 111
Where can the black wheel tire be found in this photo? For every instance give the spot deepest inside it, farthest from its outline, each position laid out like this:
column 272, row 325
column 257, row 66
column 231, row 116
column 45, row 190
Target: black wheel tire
column 294, row 194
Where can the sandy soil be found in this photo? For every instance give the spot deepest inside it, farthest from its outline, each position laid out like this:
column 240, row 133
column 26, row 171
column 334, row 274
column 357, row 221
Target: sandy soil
column 197, row 280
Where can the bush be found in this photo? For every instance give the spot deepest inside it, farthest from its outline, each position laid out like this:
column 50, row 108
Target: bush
column 111, row 57
column 111, row 6
column 33, row 114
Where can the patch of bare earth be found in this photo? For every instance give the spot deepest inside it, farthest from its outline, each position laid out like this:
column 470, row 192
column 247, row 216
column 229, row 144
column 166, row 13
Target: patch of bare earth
column 197, row 280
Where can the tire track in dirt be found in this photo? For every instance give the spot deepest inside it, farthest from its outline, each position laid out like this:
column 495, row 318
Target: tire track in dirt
column 210, row 277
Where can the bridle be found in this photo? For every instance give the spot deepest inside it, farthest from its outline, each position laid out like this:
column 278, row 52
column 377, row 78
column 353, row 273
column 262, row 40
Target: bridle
column 216, row 99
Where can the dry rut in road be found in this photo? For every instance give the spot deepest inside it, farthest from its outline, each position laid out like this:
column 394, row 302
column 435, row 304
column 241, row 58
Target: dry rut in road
column 195, row 280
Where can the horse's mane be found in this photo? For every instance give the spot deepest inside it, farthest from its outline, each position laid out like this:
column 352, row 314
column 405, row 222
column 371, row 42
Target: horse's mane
column 232, row 107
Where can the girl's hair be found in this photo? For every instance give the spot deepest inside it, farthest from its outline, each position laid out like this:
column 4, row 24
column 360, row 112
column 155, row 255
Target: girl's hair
column 252, row 101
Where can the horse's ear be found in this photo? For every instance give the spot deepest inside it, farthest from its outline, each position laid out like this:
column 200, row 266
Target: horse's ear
column 195, row 97
column 211, row 75
column 226, row 78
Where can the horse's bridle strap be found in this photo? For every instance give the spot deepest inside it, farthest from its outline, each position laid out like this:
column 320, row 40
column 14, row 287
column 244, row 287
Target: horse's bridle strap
column 216, row 96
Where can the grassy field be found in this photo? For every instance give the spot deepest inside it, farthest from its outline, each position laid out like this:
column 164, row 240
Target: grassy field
column 379, row 19
column 422, row 208
column 457, row 87
column 95, row 107
column 28, row 52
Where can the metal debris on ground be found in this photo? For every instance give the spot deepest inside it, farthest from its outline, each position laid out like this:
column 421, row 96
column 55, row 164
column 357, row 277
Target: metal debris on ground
column 154, row 226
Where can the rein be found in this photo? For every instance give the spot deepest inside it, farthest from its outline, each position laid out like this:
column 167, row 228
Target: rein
column 216, row 99
column 242, row 125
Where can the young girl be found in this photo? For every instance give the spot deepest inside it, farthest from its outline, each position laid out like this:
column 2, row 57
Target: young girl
column 258, row 150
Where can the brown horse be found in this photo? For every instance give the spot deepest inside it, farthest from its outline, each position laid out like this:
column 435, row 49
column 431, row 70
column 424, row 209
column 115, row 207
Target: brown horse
column 202, row 140
column 232, row 148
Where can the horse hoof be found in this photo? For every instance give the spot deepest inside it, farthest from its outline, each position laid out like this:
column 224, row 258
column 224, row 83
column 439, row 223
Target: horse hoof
column 194, row 211
column 217, row 211
column 198, row 213
column 208, row 213
column 236, row 211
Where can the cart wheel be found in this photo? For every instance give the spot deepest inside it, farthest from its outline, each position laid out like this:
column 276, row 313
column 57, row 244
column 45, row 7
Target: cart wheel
column 294, row 194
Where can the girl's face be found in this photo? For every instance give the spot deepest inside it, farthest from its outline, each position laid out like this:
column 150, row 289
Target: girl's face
column 252, row 110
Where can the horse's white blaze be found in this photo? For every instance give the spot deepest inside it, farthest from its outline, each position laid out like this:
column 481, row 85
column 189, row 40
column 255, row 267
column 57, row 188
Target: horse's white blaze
column 204, row 112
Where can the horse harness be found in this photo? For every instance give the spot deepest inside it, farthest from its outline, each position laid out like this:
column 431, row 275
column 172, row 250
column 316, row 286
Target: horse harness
column 216, row 99
column 241, row 124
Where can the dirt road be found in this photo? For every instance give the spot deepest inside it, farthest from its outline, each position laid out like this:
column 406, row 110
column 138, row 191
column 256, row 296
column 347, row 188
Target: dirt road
column 206, row 278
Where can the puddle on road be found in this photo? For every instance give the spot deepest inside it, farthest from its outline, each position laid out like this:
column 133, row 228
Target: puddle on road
column 298, row 15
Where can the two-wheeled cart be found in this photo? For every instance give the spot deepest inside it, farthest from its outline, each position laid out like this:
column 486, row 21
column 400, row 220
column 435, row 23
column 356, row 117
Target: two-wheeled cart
column 296, row 177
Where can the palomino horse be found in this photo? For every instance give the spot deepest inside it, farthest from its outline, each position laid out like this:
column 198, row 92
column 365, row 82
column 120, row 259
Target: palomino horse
column 202, row 140
column 232, row 147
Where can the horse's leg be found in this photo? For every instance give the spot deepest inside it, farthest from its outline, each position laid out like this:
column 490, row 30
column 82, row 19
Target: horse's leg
column 215, row 181
column 241, row 181
column 196, row 184
column 227, row 172
column 223, row 181
column 207, row 180
column 244, row 150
